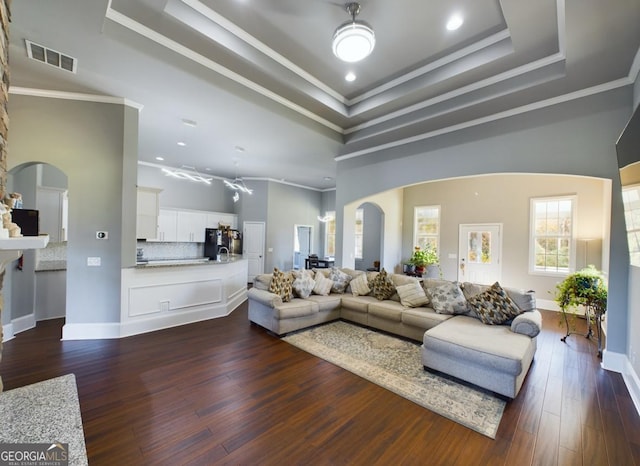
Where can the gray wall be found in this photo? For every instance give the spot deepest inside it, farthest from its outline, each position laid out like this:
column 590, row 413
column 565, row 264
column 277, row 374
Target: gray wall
column 636, row 92
column 253, row 208
column 52, row 177
column 95, row 143
column 184, row 194
column 633, row 333
column 288, row 206
column 576, row 137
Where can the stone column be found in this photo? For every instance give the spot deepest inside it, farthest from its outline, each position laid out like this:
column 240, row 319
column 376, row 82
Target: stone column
column 5, row 17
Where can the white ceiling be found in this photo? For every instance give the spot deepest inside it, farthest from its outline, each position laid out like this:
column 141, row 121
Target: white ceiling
column 260, row 74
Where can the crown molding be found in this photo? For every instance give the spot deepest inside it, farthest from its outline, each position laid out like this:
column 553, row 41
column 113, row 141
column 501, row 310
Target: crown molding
column 50, row 94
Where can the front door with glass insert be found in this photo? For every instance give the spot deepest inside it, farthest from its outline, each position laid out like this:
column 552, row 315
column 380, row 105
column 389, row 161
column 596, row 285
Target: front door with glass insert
column 479, row 252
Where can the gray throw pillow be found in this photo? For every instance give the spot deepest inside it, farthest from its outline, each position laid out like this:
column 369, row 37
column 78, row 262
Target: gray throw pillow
column 448, row 299
column 340, row 280
column 303, row 286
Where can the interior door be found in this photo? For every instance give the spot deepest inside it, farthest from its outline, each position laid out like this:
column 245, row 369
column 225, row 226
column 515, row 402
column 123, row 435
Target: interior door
column 479, row 253
column 253, row 247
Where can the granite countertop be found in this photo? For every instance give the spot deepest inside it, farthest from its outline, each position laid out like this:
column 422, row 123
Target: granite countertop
column 51, row 265
column 182, row 262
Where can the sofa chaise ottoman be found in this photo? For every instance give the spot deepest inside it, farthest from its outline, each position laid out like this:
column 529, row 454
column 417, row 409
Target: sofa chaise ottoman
column 490, row 356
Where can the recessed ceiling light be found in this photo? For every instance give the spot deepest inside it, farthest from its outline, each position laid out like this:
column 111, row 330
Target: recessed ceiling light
column 160, row 158
column 455, row 21
column 182, row 143
column 239, row 149
column 328, row 178
column 191, row 123
column 350, row 76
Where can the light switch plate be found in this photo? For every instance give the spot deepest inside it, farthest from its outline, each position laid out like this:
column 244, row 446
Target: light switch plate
column 93, row 261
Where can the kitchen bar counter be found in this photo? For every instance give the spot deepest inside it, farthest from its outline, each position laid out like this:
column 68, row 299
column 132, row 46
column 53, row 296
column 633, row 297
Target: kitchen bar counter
column 189, row 261
column 168, row 293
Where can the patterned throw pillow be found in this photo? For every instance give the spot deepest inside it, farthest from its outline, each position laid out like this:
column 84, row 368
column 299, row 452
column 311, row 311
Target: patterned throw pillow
column 382, row 286
column 323, row 285
column 281, row 285
column 340, row 280
column 303, row 286
column 412, row 295
column 448, row 299
column 360, row 285
column 494, row 306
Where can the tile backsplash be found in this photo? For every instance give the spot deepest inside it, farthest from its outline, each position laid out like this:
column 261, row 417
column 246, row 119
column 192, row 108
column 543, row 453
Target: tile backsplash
column 157, row 250
column 53, row 252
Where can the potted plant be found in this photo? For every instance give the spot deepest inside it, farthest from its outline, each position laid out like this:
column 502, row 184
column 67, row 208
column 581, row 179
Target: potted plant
column 585, row 289
column 423, row 258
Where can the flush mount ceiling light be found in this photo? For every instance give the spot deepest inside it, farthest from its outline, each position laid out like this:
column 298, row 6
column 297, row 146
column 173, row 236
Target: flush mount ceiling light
column 197, row 177
column 455, row 21
column 353, row 40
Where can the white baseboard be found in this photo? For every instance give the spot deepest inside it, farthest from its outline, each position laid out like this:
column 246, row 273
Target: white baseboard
column 10, row 330
column 619, row 362
column 97, row 331
column 23, row 323
column 632, row 382
column 7, row 332
column 613, row 361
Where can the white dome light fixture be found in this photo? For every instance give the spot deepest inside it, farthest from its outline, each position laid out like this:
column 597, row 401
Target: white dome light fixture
column 353, row 40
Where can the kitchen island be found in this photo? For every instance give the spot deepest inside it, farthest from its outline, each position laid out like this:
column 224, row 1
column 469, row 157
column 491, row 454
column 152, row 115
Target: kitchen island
column 159, row 295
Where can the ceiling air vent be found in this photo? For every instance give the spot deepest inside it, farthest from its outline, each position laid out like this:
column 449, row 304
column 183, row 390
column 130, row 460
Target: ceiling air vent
column 51, row 57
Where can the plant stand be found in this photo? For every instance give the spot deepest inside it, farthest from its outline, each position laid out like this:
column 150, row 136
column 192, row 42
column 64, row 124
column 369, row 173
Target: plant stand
column 589, row 315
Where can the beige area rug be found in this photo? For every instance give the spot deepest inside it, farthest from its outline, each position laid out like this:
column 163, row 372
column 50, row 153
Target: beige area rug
column 396, row 365
column 45, row 412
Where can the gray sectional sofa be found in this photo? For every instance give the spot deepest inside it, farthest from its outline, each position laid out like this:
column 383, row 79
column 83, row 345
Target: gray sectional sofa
column 455, row 340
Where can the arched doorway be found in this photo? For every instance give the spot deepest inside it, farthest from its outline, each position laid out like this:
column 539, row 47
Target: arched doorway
column 37, row 281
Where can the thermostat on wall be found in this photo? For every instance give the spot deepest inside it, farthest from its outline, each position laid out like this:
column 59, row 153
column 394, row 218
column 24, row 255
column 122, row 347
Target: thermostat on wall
column 102, row 234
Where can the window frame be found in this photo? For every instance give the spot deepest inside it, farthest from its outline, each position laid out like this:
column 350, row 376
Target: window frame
column 327, row 232
column 533, row 270
column 359, row 237
column 436, row 236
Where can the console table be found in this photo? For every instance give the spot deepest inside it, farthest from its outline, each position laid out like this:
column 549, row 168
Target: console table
column 322, row 263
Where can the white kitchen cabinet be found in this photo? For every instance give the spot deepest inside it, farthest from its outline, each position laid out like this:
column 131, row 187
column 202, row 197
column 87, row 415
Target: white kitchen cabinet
column 167, row 226
column 147, row 214
column 53, row 205
column 191, row 226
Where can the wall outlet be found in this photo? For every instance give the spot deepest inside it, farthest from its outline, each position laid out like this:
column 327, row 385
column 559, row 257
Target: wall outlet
column 102, row 235
column 93, row 261
column 164, row 306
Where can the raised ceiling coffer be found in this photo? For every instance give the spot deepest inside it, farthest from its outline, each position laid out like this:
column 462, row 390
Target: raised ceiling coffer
column 51, row 57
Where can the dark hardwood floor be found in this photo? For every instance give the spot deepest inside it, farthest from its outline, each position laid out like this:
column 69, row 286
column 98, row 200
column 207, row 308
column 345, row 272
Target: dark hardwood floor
column 226, row 392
